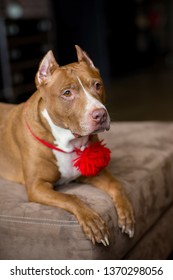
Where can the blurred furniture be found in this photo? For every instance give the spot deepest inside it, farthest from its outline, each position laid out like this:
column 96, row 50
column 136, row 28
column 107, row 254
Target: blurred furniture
column 28, row 41
column 142, row 159
column 26, row 29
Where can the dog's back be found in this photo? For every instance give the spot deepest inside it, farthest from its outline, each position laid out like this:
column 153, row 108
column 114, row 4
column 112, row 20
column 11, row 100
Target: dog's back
column 9, row 151
column 5, row 108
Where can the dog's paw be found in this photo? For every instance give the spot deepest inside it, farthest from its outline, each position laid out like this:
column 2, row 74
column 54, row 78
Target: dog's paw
column 94, row 227
column 126, row 220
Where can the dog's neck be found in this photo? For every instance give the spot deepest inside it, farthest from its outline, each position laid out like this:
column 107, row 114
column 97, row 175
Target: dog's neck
column 64, row 139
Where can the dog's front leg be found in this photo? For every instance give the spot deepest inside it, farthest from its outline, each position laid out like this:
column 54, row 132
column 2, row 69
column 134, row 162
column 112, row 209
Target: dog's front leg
column 92, row 224
column 108, row 183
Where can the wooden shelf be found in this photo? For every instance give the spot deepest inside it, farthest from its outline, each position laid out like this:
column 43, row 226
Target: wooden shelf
column 27, row 42
column 15, row 66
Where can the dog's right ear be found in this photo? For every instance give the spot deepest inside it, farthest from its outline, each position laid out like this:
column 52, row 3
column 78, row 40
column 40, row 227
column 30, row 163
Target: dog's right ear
column 46, row 68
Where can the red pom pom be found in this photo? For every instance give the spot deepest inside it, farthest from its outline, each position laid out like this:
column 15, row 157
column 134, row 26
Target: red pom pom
column 94, row 158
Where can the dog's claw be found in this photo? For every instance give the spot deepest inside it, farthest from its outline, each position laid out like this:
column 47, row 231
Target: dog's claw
column 107, row 241
column 93, row 240
column 122, row 228
column 103, row 242
column 130, row 233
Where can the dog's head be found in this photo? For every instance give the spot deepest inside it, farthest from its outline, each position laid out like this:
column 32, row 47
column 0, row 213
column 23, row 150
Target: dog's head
column 74, row 94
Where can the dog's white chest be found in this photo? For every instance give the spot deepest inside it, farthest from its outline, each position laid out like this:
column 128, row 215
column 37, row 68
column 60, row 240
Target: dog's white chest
column 65, row 141
column 65, row 166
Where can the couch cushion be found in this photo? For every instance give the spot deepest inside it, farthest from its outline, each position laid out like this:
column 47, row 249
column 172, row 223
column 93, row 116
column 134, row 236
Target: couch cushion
column 142, row 159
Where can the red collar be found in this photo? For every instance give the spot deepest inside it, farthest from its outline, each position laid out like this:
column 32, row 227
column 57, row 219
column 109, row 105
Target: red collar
column 45, row 143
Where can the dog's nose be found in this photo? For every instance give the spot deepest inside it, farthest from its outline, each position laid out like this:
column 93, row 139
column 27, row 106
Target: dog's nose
column 99, row 115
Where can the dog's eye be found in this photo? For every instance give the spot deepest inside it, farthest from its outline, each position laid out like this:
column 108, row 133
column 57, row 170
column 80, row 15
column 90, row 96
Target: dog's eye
column 67, row 93
column 98, row 85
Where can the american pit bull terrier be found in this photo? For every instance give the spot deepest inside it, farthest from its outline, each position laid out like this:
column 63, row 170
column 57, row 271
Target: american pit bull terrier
column 41, row 139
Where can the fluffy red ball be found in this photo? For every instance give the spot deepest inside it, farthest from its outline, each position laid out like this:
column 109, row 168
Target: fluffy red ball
column 93, row 159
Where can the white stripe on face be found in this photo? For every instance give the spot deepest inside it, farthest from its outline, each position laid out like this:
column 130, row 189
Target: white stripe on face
column 91, row 101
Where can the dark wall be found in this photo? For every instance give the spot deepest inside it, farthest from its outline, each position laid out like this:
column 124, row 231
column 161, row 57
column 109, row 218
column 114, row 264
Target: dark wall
column 120, row 36
column 82, row 23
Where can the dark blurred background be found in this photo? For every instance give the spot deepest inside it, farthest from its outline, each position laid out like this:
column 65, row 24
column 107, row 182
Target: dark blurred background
column 130, row 41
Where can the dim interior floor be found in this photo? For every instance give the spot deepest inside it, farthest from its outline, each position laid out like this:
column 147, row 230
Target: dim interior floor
column 142, row 96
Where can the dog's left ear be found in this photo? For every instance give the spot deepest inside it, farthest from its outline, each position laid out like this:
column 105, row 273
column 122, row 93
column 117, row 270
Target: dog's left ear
column 82, row 56
column 46, row 68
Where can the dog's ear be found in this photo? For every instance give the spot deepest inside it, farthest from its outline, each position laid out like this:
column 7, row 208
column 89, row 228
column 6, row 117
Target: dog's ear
column 46, row 68
column 82, row 56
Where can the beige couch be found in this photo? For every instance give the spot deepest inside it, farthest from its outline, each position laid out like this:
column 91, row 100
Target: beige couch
column 142, row 158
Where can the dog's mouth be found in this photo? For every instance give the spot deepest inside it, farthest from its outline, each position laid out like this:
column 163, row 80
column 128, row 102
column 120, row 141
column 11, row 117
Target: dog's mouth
column 99, row 130
column 102, row 129
column 76, row 135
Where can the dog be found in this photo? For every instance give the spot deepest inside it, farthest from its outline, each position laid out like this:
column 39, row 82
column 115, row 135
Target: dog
column 41, row 139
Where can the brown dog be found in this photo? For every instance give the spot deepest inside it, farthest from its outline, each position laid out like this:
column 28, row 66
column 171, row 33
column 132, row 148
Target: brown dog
column 38, row 141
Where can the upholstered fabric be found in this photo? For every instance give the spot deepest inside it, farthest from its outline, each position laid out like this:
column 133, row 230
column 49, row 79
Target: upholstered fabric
column 142, row 159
